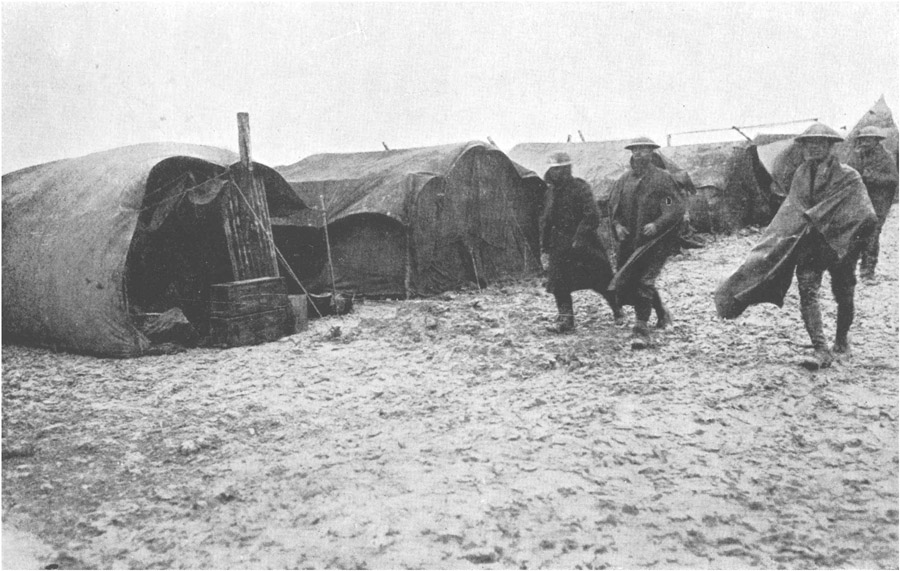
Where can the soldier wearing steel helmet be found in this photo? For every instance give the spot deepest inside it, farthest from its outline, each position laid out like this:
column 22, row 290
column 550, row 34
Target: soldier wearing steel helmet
column 571, row 252
column 879, row 174
column 823, row 224
column 647, row 210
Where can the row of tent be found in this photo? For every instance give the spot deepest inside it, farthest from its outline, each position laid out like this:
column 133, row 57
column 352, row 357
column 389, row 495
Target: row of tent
column 90, row 243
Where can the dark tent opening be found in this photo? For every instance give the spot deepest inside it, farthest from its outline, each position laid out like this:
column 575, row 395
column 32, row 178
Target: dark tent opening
column 179, row 248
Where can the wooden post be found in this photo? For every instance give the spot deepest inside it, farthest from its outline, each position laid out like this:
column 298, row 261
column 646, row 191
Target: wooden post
column 246, row 213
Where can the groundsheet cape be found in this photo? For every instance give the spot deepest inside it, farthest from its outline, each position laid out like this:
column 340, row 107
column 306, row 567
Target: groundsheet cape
column 622, row 283
column 844, row 216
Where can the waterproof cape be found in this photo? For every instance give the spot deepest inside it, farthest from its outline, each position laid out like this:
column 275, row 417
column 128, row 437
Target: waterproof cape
column 626, row 273
column 844, row 216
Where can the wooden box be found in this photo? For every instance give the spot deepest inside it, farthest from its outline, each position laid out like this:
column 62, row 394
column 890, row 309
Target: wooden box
column 249, row 312
column 251, row 329
column 247, row 296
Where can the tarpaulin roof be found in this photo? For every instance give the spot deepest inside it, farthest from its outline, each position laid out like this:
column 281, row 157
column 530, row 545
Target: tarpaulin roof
column 67, row 229
column 599, row 163
column 373, row 182
column 707, row 163
column 446, row 215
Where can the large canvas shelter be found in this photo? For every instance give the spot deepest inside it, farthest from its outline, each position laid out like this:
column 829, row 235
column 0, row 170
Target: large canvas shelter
column 728, row 196
column 418, row 221
column 91, row 243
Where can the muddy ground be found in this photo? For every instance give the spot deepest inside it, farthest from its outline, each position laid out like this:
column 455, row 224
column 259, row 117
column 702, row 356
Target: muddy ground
column 455, row 433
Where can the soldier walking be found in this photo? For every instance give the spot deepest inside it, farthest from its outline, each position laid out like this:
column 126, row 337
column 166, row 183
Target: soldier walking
column 646, row 210
column 571, row 252
column 879, row 173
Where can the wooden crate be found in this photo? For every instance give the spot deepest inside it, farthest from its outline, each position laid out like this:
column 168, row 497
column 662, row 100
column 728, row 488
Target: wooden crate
column 249, row 312
column 252, row 329
column 246, row 297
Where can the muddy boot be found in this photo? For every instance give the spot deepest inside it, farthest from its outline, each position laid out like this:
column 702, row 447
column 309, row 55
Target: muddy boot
column 663, row 317
column 812, row 319
column 640, row 336
column 841, row 347
column 564, row 324
column 822, row 358
column 845, row 310
column 618, row 316
column 565, row 320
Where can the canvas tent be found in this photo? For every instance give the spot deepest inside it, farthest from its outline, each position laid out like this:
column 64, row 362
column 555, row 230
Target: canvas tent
column 90, row 242
column 728, row 194
column 417, row 221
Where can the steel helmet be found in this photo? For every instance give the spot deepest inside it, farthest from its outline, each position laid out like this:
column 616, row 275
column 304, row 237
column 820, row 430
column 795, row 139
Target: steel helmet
column 559, row 159
column 641, row 142
column 819, row 131
column 871, row 131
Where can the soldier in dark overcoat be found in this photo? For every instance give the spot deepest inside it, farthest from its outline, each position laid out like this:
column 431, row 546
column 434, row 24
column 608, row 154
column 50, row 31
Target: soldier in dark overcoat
column 571, row 251
column 879, row 173
column 647, row 210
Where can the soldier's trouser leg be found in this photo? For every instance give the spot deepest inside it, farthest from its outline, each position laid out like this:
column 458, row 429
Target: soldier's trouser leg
column 881, row 201
column 610, row 298
column 811, row 263
column 643, row 305
column 809, row 280
column 663, row 317
column 869, row 258
column 843, row 286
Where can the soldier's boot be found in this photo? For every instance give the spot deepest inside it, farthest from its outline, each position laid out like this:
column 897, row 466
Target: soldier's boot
column 640, row 335
column 618, row 316
column 565, row 319
column 812, row 319
column 867, row 261
column 845, row 310
column 663, row 316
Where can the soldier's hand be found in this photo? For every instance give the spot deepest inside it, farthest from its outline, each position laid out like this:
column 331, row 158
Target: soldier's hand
column 545, row 260
column 621, row 231
column 649, row 229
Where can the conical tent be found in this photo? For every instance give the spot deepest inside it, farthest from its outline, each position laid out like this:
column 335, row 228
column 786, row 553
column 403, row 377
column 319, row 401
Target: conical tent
column 420, row 221
column 90, row 242
column 878, row 116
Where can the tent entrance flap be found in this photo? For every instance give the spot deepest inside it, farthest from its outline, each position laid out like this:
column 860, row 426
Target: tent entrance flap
column 179, row 248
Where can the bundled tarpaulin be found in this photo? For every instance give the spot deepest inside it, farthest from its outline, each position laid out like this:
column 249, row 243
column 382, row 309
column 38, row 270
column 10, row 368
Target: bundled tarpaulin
column 91, row 243
column 600, row 163
column 418, row 221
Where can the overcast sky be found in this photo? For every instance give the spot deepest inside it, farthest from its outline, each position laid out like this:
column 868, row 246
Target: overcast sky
column 328, row 77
